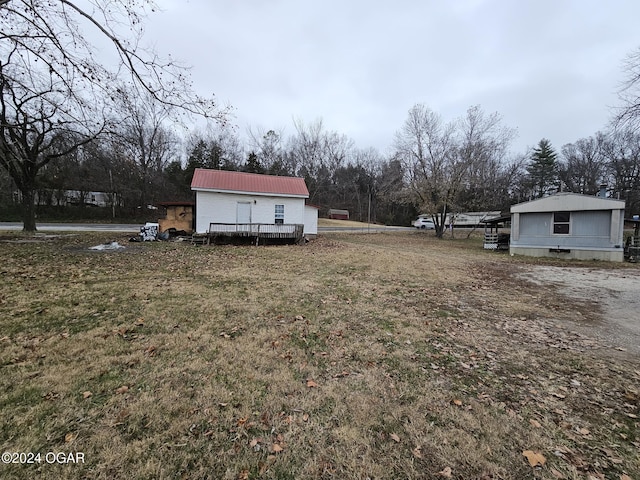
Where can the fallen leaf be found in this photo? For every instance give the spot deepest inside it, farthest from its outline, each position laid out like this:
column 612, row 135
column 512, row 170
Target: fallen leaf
column 417, row 452
column 122, row 389
column 86, row 394
column 625, row 477
column 305, row 417
column 151, row 350
column 139, row 322
column 584, row 431
column 534, row 458
column 457, row 402
column 535, row 423
column 276, row 448
column 557, row 474
column 253, row 442
column 395, row 437
column 243, row 475
column 312, row 384
column 632, row 415
column 70, row 437
column 446, row 472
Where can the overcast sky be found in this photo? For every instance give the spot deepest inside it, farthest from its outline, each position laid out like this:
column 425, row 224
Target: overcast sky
column 551, row 68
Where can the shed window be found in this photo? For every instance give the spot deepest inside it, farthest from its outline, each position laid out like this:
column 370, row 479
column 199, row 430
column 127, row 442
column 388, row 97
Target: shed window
column 561, row 222
column 279, row 214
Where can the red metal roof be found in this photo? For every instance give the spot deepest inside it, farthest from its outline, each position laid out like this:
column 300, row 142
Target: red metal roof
column 248, row 182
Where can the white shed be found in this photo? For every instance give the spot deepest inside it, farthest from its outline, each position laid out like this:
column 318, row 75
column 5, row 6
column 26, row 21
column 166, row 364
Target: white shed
column 569, row 225
column 238, row 200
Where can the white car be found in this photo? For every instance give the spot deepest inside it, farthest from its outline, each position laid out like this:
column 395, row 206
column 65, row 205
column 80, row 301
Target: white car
column 424, row 224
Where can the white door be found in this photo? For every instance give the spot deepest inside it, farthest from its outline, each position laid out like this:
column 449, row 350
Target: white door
column 243, row 212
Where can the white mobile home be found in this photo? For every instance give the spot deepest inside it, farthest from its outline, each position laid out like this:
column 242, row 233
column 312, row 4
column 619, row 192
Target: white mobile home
column 252, row 201
column 569, row 225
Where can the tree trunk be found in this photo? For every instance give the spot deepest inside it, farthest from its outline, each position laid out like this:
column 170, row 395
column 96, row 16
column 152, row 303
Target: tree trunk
column 28, row 209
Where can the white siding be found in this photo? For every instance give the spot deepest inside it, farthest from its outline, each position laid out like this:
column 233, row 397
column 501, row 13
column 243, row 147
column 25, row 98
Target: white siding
column 310, row 220
column 214, row 207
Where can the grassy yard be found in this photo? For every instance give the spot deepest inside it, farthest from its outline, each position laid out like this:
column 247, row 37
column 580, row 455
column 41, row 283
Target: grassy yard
column 384, row 356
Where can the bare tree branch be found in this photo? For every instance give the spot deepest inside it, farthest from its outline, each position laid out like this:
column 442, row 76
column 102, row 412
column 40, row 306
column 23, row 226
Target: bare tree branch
column 51, row 81
column 628, row 115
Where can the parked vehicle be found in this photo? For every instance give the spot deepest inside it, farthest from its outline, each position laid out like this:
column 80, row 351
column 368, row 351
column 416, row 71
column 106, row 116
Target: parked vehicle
column 424, row 223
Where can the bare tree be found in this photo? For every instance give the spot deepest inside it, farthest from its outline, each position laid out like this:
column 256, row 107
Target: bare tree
column 584, row 166
column 484, row 145
column 622, row 153
column 51, row 79
column 270, row 151
column 217, row 148
column 628, row 116
column 394, row 201
column 318, row 154
column 428, row 149
column 145, row 138
column 37, row 118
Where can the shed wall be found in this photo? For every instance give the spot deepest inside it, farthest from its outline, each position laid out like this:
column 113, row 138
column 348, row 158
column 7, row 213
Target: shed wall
column 213, row 207
column 310, row 220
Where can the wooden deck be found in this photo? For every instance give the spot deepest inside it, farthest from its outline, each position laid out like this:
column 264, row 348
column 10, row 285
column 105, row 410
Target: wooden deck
column 256, row 231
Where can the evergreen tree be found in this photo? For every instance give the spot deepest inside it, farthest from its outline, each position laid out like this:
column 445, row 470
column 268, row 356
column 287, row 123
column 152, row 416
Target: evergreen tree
column 543, row 170
column 253, row 164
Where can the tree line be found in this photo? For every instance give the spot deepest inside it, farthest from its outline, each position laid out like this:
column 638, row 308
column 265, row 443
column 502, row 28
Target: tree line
column 434, row 167
column 67, row 123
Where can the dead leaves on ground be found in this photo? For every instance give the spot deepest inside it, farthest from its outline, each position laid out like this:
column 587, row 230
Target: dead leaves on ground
column 535, row 459
column 446, row 472
column 122, row 389
column 233, row 333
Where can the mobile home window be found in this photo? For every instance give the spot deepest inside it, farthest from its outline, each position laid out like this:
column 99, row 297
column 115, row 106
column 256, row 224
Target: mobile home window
column 279, row 214
column 561, row 223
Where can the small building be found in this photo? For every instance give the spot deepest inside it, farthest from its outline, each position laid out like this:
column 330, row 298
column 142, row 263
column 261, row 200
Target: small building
column 495, row 238
column 179, row 217
column 337, row 214
column 252, row 205
column 311, row 220
column 569, row 225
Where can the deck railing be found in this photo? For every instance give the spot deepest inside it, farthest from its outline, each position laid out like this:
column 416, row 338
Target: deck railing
column 257, row 230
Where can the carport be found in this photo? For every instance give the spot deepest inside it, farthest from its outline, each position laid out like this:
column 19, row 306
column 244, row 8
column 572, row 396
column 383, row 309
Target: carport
column 494, row 238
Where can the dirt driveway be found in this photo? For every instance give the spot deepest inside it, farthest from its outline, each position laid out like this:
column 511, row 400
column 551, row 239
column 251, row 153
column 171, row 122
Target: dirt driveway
column 611, row 298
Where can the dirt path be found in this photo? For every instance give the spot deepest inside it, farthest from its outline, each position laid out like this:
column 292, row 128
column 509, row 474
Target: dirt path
column 612, row 297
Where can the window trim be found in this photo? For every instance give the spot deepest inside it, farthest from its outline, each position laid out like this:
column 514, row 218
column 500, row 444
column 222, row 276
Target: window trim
column 561, row 223
column 279, row 215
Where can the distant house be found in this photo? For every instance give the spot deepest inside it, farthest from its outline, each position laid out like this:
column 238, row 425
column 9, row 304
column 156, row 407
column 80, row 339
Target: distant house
column 569, row 225
column 469, row 219
column 338, row 214
column 54, row 197
column 250, row 204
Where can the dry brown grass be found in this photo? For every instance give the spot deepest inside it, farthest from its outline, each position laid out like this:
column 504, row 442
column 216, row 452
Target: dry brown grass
column 355, row 356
